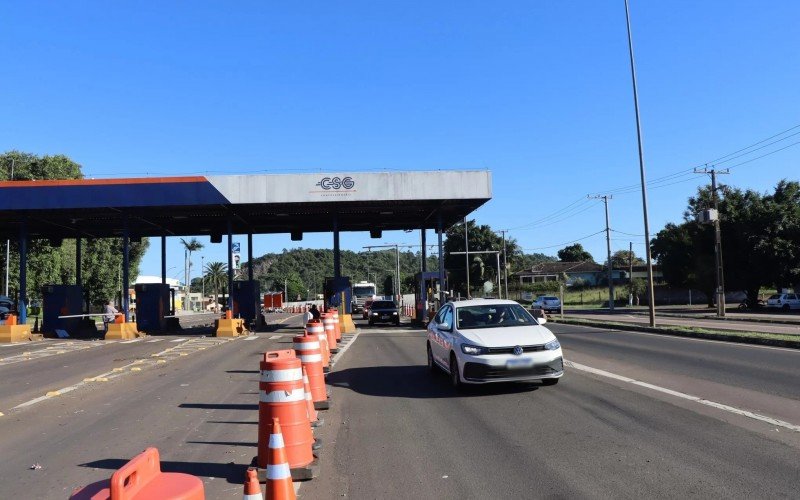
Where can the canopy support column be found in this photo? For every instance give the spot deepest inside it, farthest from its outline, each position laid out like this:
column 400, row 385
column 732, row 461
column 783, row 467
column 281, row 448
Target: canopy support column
column 424, row 253
column 126, row 263
column 337, row 258
column 78, row 261
column 230, row 264
column 22, row 305
column 163, row 260
column 440, row 230
column 250, row 256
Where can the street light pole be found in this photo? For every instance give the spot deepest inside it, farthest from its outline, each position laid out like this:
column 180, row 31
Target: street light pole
column 648, row 253
column 466, row 254
column 203, row 281
column 505, row 261
column 8, row 242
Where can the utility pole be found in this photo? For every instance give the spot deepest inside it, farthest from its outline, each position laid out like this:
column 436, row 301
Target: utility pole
column 717, row 238
column 505, row 261
column 466, row 254
column 630, row 273
column 8, row 242
column 605, row 199
column 648, row 253
column 203, row 281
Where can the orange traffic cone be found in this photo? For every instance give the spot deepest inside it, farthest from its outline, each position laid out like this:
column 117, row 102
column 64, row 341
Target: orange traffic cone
column 279, row 477
column 252, row 488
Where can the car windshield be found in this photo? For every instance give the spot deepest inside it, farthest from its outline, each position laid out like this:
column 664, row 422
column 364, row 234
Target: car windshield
column 549, row 298
column 492, row 316
column 383, row 304
column 775, row 297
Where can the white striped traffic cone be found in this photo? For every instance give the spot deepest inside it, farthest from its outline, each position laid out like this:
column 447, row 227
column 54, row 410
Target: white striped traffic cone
column 252, row 488
column 279, row 476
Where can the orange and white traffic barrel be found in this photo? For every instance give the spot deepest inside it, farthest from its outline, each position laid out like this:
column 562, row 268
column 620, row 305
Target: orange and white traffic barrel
column 315, row 327
column 307, row 350
column 313, row 417
column 281, row 395
column 330, row 331
column 336, row 324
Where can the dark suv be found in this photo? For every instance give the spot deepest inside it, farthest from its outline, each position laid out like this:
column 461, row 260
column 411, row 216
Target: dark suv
column 384, row 311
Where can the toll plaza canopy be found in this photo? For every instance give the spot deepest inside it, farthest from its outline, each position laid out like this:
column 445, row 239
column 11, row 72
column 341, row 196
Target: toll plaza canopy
column 239, row 204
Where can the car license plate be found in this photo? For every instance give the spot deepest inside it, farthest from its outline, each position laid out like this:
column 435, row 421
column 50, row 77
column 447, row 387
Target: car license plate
column 519, row 363
column 384, row 316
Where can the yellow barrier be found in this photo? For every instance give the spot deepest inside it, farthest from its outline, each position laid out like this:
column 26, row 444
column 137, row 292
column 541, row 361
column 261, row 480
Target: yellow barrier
column 17, row 333
column 346, row 323
column 231, row 327
column 122, row 331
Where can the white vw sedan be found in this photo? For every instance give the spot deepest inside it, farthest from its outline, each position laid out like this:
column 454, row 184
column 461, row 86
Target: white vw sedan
column 482, row 341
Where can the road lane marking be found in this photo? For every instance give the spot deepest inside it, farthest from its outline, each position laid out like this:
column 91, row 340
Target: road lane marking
column 275, row 337
column 131, row 341
column 251, row 337
column 344, row 349
column 178, row 339
column 154, row 341
column 682, row 395
column 170, row 354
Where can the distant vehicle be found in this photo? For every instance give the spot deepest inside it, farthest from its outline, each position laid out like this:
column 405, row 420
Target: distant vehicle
column 384, row 311
column 365, row 309
column 362, row 291
column 548, row 303
column 784, row 301
column 6, row 306
column 482, row 341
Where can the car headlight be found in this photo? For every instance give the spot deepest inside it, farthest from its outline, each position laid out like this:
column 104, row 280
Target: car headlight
column 395, row 313
column 552, row 345
column 473, row 349
column 374, row 314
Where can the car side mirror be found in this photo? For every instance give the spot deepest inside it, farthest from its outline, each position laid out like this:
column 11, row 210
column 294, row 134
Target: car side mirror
column 542, row 320
column 444, row 326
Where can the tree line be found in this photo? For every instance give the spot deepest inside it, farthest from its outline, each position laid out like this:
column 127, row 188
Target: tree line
column 53, row 262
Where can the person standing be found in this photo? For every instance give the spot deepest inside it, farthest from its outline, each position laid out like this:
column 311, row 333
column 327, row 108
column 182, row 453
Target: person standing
column 308, row 316
column 314, row 311
column 109, row 314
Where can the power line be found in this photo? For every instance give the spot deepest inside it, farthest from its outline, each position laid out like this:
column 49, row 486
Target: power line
column 567, row 242
column 762, row 156
column 756, row 144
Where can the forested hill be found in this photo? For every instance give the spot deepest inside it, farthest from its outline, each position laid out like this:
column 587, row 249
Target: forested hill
column 305, row 269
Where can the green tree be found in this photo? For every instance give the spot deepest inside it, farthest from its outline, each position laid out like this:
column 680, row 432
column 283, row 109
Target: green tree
column 216, row 278
column 574, row 253
column 188, row 247
column 482, row 266
column 622, row 258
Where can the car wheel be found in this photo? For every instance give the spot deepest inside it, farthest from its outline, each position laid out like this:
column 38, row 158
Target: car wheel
column 550, row 381
column 455, row 379
column 431, row 364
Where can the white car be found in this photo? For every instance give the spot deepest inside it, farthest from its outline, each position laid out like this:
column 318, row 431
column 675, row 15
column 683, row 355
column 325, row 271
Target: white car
column 482, row 341
column 784, row 301
column 548, row 303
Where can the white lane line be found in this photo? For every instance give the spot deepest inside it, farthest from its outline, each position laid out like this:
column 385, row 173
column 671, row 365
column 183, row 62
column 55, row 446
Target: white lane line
column 251, row 337
column 130, row 341
column 682, row 395
column 154, row 341
column 344, row 349
column 178, row 340
column 275, row 337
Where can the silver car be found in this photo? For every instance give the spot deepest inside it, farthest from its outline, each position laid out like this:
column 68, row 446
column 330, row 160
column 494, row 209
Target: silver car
column 483, row 341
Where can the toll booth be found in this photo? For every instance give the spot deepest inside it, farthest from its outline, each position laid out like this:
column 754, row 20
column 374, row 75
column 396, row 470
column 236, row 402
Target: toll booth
column 62, row 300
column 246, row 303
column 152, row 304
column 338, row 292
column 426, row 295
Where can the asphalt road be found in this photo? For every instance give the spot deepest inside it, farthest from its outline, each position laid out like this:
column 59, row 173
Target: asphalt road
column 401, row 432
column 397, row 431
column 713, row 324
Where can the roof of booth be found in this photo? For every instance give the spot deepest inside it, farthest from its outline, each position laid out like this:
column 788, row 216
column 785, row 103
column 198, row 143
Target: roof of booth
column 277, row 203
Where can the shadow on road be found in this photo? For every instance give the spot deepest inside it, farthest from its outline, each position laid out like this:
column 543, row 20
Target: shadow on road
column 231, row 472
column 225, row 443
column 218, row 406
column 254, row 372
column 414, row 381
column 232, row 422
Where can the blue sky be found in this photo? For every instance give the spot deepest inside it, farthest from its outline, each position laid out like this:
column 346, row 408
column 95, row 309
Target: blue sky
column 537, row 92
